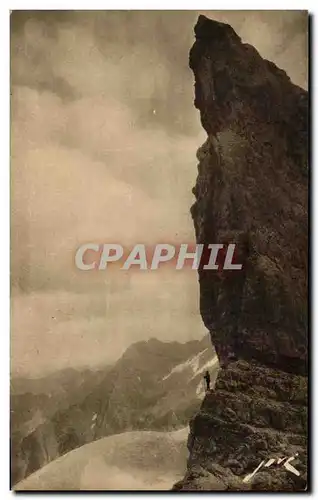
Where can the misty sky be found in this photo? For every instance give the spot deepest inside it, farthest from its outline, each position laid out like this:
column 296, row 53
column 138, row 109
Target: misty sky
column 104, row 135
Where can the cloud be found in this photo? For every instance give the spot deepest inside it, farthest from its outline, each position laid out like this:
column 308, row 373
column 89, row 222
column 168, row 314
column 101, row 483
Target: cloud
column 55, row 330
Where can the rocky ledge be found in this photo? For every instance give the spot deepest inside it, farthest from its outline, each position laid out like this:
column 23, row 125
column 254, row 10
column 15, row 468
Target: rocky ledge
column 251, row 190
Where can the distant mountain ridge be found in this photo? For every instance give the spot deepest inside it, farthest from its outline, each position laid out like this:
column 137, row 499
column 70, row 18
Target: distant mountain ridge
column 154, row 386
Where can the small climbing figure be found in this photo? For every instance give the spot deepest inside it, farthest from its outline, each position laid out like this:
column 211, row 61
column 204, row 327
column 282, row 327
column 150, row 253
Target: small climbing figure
column 207, row 379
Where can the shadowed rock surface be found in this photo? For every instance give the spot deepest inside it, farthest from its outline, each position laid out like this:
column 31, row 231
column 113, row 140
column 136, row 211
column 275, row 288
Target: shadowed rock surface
column 251, row 190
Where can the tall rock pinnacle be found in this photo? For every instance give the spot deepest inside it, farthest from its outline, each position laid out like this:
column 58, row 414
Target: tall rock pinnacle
column 252, row 190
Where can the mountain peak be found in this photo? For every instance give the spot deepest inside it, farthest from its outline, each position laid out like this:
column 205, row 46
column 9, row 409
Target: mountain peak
column 251, row 190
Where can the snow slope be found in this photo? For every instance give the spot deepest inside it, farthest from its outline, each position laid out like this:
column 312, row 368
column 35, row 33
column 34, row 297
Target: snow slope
column 138, row 460
column 154, row 386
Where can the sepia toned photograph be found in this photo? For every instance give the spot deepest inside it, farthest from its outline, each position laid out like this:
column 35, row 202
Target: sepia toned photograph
column 159, row 184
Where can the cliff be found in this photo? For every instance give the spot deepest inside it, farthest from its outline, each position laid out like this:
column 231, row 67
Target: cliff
column 251, row 190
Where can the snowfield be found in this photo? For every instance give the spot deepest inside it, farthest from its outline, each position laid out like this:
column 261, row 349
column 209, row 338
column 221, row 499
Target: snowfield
column 138, row 460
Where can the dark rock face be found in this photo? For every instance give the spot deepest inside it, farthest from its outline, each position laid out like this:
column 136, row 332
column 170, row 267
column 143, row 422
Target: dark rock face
column 251, row 190
column 254, row 414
